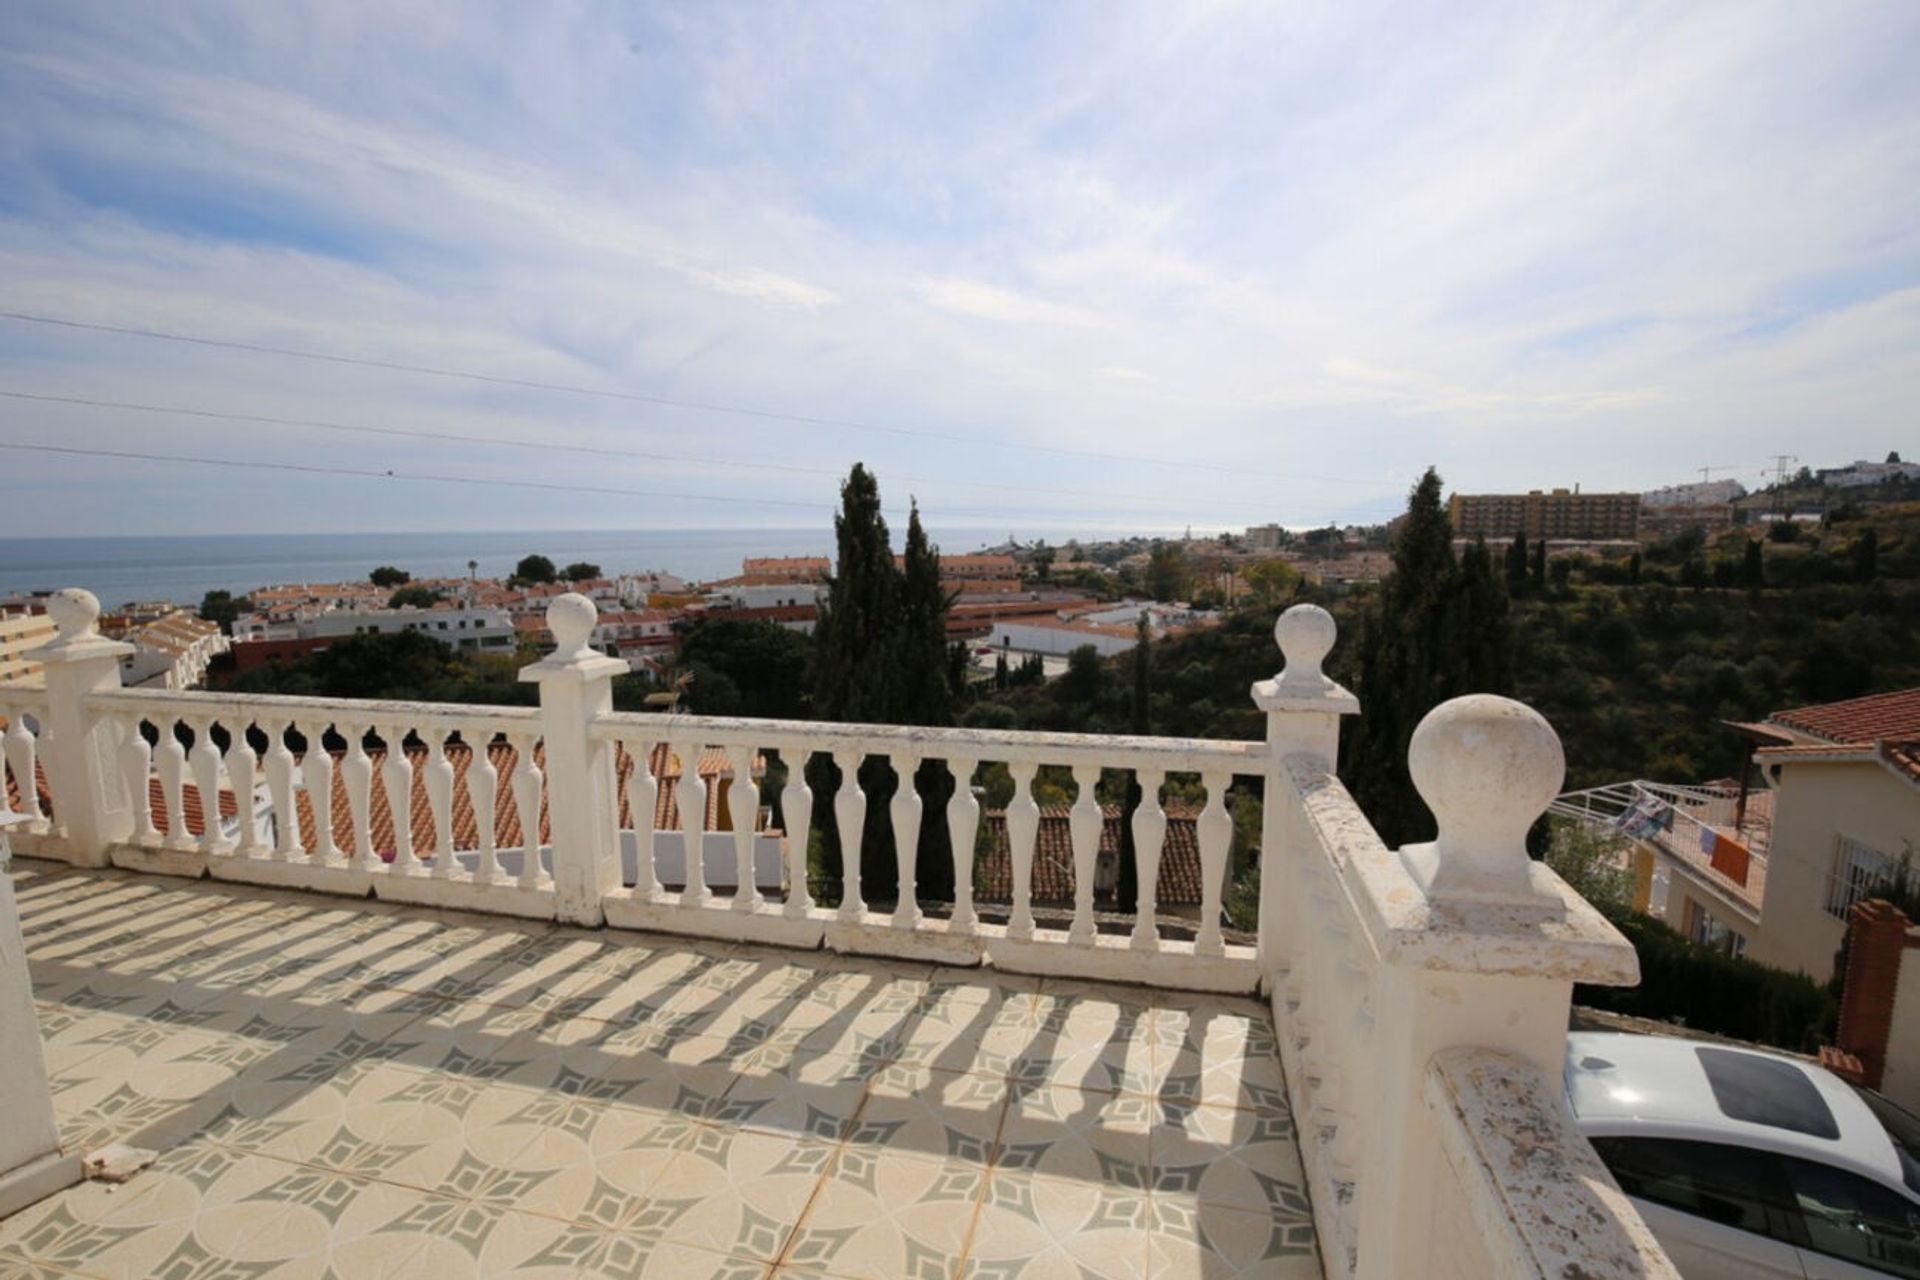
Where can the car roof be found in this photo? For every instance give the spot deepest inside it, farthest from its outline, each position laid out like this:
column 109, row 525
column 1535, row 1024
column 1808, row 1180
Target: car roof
column 1659, row 1087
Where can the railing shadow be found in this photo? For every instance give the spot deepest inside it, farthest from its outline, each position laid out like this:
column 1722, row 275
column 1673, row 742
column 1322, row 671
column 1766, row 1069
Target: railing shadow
column 1037, row 1062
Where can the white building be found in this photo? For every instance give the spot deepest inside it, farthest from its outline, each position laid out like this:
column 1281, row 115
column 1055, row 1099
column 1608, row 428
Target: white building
column 460, row 625
column 1702, row 493
column 172, row 652
column 1863, row 473
column 767, row 595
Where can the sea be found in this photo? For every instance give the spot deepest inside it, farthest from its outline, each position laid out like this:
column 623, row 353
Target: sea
column 183, row 569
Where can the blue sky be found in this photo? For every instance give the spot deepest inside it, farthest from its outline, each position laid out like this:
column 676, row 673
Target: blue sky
column 1267, row 260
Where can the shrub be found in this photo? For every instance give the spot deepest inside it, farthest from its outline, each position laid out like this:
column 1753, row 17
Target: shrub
column 1711, row 991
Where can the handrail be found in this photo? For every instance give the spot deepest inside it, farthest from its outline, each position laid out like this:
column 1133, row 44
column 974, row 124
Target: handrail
column 1544, row 1205
column 254, row 706
column 1118, row 751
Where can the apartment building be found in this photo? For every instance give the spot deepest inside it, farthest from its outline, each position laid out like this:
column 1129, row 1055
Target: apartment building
column 1559, row 514
column 18, row 635
column 463, row 626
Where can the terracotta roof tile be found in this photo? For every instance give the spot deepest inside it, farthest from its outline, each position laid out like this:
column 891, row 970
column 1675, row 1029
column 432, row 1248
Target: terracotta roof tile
column 1053, row 875
column 1868, row 719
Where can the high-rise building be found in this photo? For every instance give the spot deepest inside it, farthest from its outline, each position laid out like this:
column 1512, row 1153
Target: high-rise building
column 1563, row 513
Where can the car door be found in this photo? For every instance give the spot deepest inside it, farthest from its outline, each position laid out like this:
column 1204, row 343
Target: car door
column 1720, row 1212
column 1854, row 1228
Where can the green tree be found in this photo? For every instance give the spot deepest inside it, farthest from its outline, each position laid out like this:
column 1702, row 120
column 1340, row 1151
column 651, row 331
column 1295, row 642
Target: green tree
column 856, row 674
column 1166, row 572
column 413, row 597
column 763, row 664
column 1434, row 632
column 1866, row 556
column 1539, row 565
column 223, row 607
column 534, row 569
column 1633, row 569
column 580, row 571
column 921, row 651
column 1753, row 568
column 388, row 576
column 1517, row 563
column 1594, row 867
column 1042, row 562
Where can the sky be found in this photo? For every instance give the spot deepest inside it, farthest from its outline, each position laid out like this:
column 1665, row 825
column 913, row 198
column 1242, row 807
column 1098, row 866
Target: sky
column 1095, row 266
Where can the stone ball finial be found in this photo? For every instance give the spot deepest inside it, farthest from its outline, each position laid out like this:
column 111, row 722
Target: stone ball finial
column 1488, row 767
column 1305, row 634
column 571, row 617
column 74, row 610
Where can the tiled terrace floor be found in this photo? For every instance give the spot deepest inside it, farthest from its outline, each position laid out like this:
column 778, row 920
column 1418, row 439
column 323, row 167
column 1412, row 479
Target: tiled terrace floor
column 353, row 1089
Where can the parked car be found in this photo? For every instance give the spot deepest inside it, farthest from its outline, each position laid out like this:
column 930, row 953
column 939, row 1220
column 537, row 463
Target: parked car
column 1749, row 1164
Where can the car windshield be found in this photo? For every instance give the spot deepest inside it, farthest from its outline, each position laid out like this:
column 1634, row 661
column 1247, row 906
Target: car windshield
column 1903, row 1127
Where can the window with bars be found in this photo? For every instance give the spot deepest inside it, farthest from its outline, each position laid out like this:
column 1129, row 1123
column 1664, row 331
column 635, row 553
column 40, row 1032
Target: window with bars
column 1858, row 869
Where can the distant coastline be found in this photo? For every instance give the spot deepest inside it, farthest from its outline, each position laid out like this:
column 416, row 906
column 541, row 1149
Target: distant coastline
column 184, row 568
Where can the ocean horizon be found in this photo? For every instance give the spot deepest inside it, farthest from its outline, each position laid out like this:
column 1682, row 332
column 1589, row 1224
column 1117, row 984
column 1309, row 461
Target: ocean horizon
column 183, row 569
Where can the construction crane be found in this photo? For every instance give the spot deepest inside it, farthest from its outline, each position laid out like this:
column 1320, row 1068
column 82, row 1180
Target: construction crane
column 1706, row 473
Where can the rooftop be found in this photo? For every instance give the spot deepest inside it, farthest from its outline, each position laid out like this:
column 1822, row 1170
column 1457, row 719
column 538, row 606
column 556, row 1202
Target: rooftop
column 1868, row 719
column 356, row 1084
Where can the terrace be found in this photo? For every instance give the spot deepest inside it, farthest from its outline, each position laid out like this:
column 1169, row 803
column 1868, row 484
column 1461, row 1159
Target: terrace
column 451, row 1057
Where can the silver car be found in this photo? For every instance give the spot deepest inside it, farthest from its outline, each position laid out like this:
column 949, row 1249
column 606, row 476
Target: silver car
column 1749, row 1164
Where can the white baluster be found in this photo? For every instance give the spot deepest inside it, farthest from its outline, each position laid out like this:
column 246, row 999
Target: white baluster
column 205, row 762
column 796, row 810
column 356, row 771
column 850, row 819
column 1149, row 840
column 1216, row 834
column 904, row 810
column 692, row 795
column 286, row 813
column 396, row 779
column 963, row 826
column 1084, row 824
column 1023, row 829
column 439, row 780
column 316, row 769
column 483, row 788
column 172, row 759
column 643, row 804
column 743, row 806
column 21, row 754
column 242, row 765
column 136, row 768
column 526, row 800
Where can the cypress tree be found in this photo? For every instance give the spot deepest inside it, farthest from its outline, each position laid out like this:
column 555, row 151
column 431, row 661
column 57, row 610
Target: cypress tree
column 1438, row 628
column 1540, row 565
column 856, row 673
column 928, row 700
column 1517, row 562
column 1753, row 569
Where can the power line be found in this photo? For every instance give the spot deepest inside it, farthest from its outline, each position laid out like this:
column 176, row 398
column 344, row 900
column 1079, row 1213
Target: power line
column 546, row 446
column 163, row 335
column 369, row 473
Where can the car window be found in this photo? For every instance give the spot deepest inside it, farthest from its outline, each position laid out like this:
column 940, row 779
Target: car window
column 1851, row 1217
column 1733, row 1186
column 1903, row 1128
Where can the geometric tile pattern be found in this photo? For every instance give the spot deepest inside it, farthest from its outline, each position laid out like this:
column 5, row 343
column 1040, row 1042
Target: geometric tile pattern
column 360, row 1089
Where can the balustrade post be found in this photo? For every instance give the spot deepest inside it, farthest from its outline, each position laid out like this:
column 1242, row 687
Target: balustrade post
column 576, row 687
column 1491, row 964
column 32, row 1165
column 80, row 748
column 1303, row 706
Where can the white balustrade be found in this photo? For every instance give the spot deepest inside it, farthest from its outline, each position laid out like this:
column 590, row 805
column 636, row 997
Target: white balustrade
column 205, row 762
column 743, row 807
column 796, row 812
column 439, row 784
column 963, row 827
column 1149, row 841
column 316, row 773
column 1023, row 834
column 903, row 811
column 691, row 794
column 279, row 767
column 1084, row 824
column 643, row 803
column 242, row 767
column 483, row 786
column 356, row 776
column 20, row 756
column 850, row 818
column 527, row 785
column 171, row 762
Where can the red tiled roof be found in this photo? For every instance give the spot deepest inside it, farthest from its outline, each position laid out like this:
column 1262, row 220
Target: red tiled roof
column 1053, row 878
column 1868, row 719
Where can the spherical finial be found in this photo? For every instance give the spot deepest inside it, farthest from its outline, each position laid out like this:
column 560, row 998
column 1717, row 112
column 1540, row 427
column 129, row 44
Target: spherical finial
column 1487, row 767
column 571, row 617
column 74, row 611
column 1305, row 634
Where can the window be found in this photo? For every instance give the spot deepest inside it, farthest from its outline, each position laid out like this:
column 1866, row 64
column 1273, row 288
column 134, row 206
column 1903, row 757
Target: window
column 1733, row 1186
column 1763, row 1090
column 1851, row 1217
column 1707, row 930
column 1858, row 869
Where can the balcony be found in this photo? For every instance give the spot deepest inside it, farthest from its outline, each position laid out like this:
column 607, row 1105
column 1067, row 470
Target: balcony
column 471, row 1047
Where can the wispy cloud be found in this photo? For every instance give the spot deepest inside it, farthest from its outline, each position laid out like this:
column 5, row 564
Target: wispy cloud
column 1590, row 244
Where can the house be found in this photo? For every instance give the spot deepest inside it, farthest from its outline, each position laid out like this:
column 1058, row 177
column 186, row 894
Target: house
column 172, row 652
column 1773, row 873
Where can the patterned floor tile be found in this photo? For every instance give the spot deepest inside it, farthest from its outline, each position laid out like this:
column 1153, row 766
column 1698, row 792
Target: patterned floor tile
column 882, row 1213
column 370, row 1090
